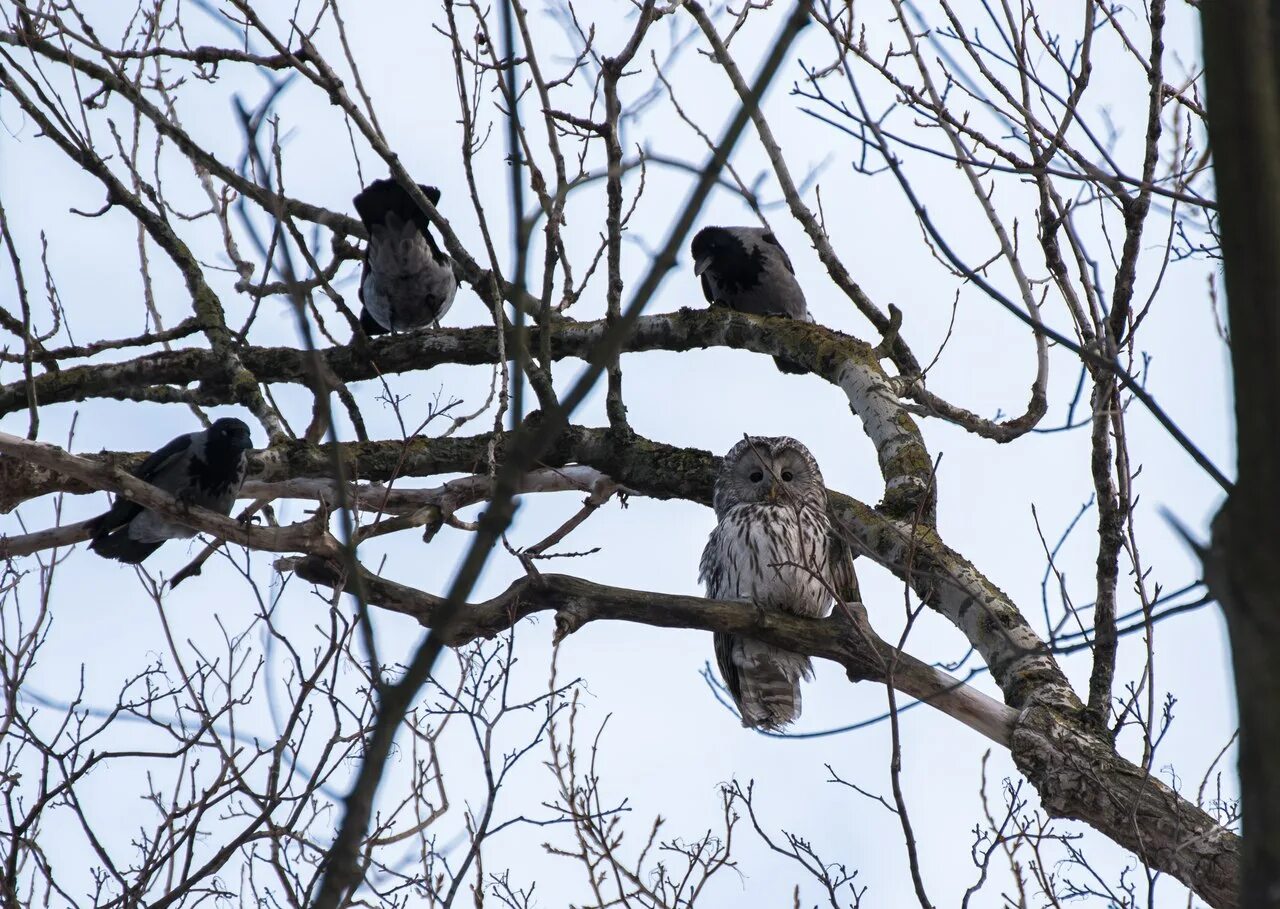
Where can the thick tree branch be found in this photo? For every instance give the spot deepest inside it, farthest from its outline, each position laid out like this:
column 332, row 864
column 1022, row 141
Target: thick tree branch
column 840, row 359
column 844, row 638
column 1242, row 75
column 1079, row 775
column 372, row 497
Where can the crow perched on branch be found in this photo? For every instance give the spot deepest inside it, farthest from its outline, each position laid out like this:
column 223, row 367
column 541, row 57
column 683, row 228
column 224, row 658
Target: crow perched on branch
column 407, row 281
column 747, row 270
column 200, row 468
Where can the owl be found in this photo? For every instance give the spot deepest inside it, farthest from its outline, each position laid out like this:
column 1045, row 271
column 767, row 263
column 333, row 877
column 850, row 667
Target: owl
column 773, row 545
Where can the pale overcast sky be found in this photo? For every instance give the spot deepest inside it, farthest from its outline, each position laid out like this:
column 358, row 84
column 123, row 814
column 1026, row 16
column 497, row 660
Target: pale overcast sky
column 668, row 743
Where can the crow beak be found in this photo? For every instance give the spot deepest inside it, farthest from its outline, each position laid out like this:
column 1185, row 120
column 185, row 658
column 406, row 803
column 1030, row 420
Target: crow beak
column 773, row 493
column 701, row 265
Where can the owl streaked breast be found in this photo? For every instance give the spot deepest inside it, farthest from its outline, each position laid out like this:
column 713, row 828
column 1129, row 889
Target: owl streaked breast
column 772, row 555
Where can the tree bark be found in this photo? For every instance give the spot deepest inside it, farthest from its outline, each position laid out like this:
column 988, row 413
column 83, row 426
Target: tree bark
column 1242, row 565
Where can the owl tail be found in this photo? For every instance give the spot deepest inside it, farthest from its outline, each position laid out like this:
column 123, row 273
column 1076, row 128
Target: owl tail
column 769, row 679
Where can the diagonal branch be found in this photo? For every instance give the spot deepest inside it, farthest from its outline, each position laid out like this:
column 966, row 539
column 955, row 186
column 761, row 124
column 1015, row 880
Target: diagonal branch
column 843, row 638
column 341, row 873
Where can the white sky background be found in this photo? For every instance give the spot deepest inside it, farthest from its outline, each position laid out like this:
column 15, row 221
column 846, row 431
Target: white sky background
column 668, row 743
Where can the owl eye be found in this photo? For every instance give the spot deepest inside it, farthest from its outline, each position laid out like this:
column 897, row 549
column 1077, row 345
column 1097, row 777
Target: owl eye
column 756, row 476
column 787, row 476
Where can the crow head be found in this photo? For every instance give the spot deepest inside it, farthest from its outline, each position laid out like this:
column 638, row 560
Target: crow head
column 231, row 433
column 730, row 256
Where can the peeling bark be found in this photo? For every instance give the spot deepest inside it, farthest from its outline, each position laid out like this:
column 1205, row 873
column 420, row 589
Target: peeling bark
column 1078, row 775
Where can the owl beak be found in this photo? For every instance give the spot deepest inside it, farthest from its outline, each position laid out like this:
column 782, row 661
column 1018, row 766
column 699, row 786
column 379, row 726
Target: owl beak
column 701, row 265
column 773, row 493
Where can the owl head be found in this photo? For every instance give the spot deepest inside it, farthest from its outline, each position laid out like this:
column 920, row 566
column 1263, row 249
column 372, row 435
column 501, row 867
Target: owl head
column 769, row 470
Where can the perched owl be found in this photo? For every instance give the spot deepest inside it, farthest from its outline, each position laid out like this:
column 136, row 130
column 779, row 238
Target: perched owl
column 774, row 545
column 747, row 270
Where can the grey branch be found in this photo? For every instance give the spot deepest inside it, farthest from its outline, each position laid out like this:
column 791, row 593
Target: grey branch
column 845, row 638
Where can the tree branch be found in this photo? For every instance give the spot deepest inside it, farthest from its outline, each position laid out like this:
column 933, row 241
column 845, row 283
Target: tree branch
column 842, row 360
column 843, row 638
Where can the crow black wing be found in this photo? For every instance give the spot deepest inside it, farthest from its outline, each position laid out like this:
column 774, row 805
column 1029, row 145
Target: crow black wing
column 159, row 459
column 786, row 260
column 122, row 511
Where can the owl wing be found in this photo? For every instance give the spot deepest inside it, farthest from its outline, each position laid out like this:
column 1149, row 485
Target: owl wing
column 843, row 577
column 724, row 645
column 712, row 571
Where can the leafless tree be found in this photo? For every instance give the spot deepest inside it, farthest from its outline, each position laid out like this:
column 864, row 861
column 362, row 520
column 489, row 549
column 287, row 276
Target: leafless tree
column 1004, row 107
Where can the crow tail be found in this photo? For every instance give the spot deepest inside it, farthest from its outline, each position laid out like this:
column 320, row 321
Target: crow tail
column 118, row 545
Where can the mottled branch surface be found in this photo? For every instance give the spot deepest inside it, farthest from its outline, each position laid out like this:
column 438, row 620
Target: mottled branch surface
column 840, row 359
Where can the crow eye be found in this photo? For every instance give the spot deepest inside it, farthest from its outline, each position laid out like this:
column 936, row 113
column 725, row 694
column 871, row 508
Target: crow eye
column 787, row 476
column 756, row 476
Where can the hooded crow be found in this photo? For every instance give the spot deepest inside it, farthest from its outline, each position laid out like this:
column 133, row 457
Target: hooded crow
column 747, row 270
column 407, row 281
column 200, row 468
